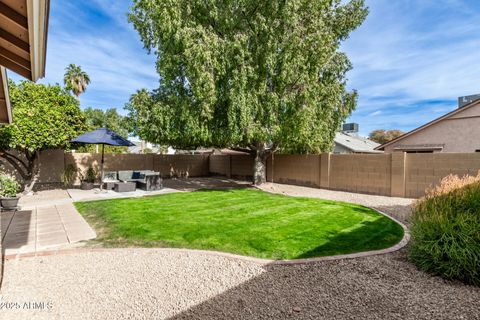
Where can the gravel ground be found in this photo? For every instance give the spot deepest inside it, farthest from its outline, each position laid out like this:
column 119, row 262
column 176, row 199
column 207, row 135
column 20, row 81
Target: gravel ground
column 173, row 284
column 159, row 284
column 399, row 208
column 119, row 284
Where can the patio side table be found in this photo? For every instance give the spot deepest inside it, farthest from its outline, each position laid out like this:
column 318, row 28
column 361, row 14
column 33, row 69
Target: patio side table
column 125, row 186
column 109, row 185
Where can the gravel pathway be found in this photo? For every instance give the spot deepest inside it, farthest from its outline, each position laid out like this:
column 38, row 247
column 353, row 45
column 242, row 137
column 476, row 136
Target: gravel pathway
column 160, row 284
column 399, row 208
column 175, row 284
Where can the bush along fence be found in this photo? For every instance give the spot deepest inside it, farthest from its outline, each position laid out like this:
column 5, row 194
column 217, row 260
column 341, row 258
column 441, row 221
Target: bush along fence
column 396, row 174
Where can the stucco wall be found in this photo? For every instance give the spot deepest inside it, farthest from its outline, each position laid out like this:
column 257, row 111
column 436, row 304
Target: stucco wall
column 458, row 133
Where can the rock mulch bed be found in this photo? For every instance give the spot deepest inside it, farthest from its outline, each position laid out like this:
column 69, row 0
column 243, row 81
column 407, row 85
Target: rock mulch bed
column 177, row 284
column 158, row 283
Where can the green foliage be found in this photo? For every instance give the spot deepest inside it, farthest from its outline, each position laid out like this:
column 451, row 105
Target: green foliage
column 44, row 117
column 245, row 73
column 382, row 136
column 75, row 79
column 243, row 221
column 69, row 174
column 446, row 234
column 90, row 175
column 9, row 186
column 111, row 119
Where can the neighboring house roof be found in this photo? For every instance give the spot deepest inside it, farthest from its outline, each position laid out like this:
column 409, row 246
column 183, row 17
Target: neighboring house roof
column 356, row 143
column 23, row 44
column 137, row 148
column 428, row 124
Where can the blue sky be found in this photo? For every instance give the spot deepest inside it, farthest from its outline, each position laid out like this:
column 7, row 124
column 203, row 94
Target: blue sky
column 411, row 58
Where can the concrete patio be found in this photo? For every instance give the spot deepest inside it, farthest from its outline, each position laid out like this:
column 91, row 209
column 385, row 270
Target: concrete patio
column 48, row 220
column 43, row 228
column 96, row 194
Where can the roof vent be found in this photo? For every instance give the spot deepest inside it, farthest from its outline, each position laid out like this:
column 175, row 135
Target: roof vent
column 351, row 127
column 464, row 100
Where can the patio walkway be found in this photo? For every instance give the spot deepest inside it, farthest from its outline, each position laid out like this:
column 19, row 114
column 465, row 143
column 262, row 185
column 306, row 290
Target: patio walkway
column 42, row 228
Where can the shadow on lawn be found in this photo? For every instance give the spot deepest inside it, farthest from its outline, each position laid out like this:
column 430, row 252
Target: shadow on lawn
column 359, row 239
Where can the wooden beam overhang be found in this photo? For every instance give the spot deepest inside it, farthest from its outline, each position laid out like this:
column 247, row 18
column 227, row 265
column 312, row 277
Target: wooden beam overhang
column 23, row 43
column 13, row 16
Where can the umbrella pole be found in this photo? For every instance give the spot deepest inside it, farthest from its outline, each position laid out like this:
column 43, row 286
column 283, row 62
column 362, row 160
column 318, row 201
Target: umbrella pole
column 101, row 168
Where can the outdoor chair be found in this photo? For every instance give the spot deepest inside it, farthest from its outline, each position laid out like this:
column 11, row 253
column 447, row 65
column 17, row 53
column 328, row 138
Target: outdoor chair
column 147, row 180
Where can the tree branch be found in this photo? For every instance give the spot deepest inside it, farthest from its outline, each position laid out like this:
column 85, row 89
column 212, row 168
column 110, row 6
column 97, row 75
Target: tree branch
column 25, row 175
column 5, row 153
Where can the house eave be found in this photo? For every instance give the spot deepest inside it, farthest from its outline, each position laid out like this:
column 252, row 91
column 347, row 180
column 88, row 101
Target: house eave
column 428, row 124
column 38, row 16
column 5, row 100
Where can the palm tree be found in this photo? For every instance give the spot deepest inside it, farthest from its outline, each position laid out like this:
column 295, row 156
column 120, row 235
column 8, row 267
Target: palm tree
column 75, row 79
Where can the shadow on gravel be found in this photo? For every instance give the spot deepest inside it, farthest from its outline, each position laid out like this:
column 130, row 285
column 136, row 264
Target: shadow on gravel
column 377, row 287
column 399, row 212
column 192, row 184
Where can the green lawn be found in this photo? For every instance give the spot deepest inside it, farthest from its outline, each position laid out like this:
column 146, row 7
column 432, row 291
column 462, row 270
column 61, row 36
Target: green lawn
column 243, row 221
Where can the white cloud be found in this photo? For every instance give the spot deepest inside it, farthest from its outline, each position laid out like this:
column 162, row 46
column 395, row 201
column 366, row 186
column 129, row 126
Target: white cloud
column 375, row 113
column 98, row 37
column 412, row 59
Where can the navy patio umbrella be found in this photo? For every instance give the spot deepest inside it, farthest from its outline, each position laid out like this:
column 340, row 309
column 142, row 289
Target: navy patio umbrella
column 103, row 136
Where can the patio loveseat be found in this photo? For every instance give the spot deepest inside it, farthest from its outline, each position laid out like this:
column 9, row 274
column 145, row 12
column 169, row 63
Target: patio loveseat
column 147, row 180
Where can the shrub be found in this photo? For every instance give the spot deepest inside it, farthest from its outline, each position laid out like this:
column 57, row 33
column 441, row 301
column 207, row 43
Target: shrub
column 9, row 187
column 446, row 230
column 69, row 175
column 90, row 175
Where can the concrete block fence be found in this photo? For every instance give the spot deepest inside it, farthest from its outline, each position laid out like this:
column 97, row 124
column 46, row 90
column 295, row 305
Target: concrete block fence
column 395, row 174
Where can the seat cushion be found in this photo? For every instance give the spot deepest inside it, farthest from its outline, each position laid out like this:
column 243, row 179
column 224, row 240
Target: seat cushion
column 125, row 175
column 136, row 175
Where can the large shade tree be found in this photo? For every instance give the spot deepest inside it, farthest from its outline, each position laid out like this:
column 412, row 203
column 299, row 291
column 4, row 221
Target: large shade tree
column 260, row 75
column 75, row 79
column 44, row 117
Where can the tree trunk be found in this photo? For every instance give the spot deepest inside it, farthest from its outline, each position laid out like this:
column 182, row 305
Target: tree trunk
column 28, row 169
column 33, row 171
column 260, row 165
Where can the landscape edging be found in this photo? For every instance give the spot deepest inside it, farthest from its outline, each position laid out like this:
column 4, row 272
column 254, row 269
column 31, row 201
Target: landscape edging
column 398, row 246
